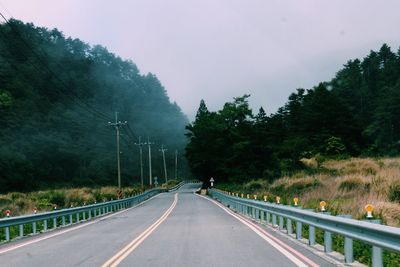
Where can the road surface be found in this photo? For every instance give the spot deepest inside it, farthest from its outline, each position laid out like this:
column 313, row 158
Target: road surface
column 172, row 229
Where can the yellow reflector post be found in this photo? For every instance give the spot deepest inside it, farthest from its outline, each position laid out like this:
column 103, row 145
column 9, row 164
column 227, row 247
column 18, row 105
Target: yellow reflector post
column 322, row 204
column 369, row 208
column 296, row 200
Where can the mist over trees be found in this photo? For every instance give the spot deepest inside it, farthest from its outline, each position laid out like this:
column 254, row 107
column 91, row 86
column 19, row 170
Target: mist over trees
column 357, row 113
column 57, row 95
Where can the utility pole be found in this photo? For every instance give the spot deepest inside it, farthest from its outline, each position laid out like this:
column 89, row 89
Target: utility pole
column 117, row 124
column 140, row 144
column 165, row 167
column 176, row 164
column 150, row 174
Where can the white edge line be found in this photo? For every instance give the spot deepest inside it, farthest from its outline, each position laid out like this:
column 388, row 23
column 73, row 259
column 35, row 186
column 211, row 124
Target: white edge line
column 286, row 253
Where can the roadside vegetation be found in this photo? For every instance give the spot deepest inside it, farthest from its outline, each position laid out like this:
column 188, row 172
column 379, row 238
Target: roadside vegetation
column 25, row 203
column 346, row 185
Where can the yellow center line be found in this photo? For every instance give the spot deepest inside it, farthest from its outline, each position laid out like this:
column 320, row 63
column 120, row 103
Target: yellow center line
column 124, row 252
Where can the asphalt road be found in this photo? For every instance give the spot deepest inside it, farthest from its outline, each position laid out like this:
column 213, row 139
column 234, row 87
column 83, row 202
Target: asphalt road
column 172, row 229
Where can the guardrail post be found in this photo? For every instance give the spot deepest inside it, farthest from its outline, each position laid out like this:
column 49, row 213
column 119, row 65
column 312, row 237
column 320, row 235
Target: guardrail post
column 348, row 246
column 89, row 214
column 21, row 230
column 268, row 217
column 63, row 220
column 281, row 223
column 348, row 250
column 84, row 215
column 257, row 214
column 289, row 226
column 7, row 233
column 274, row 220
column 377, row 260
column 253, row 212
column 70, row 219
column 77, row 217
column 34, row 228
column 327, row 242
column 299, row 228
column 311, row 235
column 44, row 225
column 54, row 222
column 327, row 238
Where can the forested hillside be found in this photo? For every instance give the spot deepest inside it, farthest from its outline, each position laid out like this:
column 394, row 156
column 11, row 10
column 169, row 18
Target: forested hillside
column 356, row 113
column 57, row 96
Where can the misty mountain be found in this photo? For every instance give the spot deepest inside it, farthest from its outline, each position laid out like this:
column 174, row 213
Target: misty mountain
column 57, row 95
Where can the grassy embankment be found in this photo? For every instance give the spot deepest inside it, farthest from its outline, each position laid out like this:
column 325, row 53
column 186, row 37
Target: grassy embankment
column 24, row 203
column 347, row 186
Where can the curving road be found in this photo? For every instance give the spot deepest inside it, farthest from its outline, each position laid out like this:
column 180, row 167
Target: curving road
column 171, row 229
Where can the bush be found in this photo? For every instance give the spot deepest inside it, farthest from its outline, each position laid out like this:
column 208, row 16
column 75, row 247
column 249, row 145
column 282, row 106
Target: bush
column 53, row 197
column 299, row 186
column 255, row 185
column 351, row 184
column 394, row 193
column 5, row 201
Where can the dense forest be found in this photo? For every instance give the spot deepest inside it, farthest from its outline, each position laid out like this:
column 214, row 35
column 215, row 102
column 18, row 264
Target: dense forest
column 57, row 96
column 357, row 113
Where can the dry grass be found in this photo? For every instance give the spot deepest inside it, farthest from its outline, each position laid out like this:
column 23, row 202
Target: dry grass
column 24, row 203
column 348, row 186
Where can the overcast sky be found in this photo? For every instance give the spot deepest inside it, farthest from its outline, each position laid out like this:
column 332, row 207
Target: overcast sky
column 218, row 49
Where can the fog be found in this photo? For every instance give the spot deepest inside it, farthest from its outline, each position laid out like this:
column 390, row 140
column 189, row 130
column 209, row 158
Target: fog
column 216, row 50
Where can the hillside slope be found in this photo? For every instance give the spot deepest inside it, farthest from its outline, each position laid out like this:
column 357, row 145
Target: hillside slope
column 57, row 96
column 346, row 185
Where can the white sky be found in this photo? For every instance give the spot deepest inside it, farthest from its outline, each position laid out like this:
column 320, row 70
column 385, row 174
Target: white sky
column 219, row 49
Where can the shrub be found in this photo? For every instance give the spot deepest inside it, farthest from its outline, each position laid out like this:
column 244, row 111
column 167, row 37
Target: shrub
column 57, row 197
column 299, row 186
column 255, row 185
column 394, row 193
column 351, row 184
column 5, row 201
column 309, row 162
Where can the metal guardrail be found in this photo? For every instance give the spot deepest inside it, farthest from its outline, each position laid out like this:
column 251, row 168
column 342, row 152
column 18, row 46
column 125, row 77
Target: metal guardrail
column 58, row 218
column 176, row 187
column 379, row 236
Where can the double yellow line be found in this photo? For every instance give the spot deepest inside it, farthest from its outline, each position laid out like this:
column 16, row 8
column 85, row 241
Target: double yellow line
column 123, row 253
